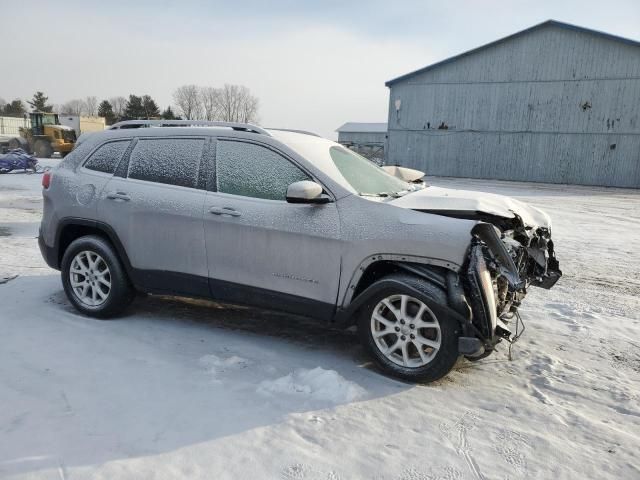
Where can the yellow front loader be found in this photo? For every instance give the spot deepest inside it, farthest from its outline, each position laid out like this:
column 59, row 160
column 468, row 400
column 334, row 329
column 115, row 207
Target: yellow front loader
column 45, row 136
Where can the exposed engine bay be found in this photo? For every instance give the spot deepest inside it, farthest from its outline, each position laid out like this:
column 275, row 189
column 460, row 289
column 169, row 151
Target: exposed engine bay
column 506, row 257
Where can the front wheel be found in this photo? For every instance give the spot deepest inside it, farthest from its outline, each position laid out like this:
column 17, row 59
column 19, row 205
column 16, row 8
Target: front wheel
column 405, row 336
column 94, row 279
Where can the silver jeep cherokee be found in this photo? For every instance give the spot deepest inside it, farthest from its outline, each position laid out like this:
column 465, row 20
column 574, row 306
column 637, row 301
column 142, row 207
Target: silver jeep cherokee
column 290, row 221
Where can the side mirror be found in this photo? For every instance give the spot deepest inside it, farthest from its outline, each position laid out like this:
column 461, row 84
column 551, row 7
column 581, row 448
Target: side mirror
column 403, row 173
column 306, row 192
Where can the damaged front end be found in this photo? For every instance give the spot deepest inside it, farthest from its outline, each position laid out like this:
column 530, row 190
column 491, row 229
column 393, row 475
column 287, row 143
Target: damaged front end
column 501, row 265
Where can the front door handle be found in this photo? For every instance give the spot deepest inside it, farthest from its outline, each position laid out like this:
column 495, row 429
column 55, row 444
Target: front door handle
column 224, row 211
column 118, row 196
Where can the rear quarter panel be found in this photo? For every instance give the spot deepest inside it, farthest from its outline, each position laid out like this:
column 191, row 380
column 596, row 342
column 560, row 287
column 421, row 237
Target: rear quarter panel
column 73, row 192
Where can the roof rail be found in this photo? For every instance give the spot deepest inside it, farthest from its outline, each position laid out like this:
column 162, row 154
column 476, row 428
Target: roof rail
column 244, row 127
column 304, row 132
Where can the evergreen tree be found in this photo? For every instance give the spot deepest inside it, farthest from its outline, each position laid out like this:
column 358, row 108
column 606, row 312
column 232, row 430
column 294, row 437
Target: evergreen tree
column 150, row 108
column 14, row 109
column 169, row 115
column 39, row 103
column 106, row 110
column 134, row 109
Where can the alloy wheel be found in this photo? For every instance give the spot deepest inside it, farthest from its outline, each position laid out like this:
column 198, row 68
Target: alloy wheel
column 406, row 331
column 90, row 278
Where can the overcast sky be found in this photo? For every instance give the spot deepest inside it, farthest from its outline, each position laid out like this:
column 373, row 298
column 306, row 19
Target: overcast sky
column 313, row 65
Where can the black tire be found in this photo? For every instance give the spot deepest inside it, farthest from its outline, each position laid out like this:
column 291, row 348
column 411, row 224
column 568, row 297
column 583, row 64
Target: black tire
column 19, row 142
column 42, row 149
column 436, row 300
column 121, row 292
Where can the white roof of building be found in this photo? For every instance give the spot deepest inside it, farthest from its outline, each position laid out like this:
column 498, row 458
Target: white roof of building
column 355, row 127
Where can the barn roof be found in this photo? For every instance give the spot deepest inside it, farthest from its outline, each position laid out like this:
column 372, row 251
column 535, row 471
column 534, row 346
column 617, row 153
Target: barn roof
column 355, row 127
column 548, row 23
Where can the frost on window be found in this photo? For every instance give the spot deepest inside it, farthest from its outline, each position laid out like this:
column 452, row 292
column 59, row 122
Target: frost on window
column 174, row 161
column 106, row 158
column 254, row 171
column 79, row 152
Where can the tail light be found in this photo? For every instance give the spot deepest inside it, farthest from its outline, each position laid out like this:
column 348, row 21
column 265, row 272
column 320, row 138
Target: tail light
column 46, row 180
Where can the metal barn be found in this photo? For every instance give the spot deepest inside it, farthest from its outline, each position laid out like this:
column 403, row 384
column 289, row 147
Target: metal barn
column 554, row 103
column 368, row 139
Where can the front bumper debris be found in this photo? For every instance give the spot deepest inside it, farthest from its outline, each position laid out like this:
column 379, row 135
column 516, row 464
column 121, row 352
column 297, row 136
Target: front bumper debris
column 500, row 268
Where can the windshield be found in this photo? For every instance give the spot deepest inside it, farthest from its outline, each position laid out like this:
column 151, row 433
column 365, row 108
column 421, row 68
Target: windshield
column 364, row 176
column 50, row 119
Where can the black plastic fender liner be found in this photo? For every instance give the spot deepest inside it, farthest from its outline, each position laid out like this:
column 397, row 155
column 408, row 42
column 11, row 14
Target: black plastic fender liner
column 448, row 281
column 488, row 234
column 347, row 315
column 457, row 298
column 423, row 271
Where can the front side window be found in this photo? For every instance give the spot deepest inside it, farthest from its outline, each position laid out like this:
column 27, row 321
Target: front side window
column 173, row 161
column 106, row 157
column 254, row 171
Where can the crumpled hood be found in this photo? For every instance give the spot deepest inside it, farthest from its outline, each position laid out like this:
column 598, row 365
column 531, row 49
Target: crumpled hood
column 444, row 200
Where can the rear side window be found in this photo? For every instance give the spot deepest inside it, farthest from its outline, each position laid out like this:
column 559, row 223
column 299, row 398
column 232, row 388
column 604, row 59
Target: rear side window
column 174, row 161
column 106, row 157
column 254, row 171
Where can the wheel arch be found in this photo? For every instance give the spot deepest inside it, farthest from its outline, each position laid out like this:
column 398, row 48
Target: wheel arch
column 377, row 266
column 20, row 142
column 373, row 275
column 71, row 229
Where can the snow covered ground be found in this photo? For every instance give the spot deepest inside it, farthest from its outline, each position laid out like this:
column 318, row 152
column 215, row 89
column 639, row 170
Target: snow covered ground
column 205, row 391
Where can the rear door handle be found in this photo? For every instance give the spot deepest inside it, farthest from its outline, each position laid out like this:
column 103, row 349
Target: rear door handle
column 118, row 196
column 224, row 211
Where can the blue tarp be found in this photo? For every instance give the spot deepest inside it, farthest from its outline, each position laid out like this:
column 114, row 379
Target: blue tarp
column 17, row 159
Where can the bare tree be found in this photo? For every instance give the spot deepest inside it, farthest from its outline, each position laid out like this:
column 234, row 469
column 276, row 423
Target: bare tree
column 119, row 104
column 188, row 100
column 210, row 101
column 237, row 104
column 73, row 107
column 91, row 106
column 2, row 103
column 249, row 109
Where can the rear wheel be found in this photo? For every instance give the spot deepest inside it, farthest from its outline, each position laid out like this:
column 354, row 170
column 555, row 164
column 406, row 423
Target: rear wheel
column 19, row 142
column 406, row 336
column 94, row 279
column 42, row 149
